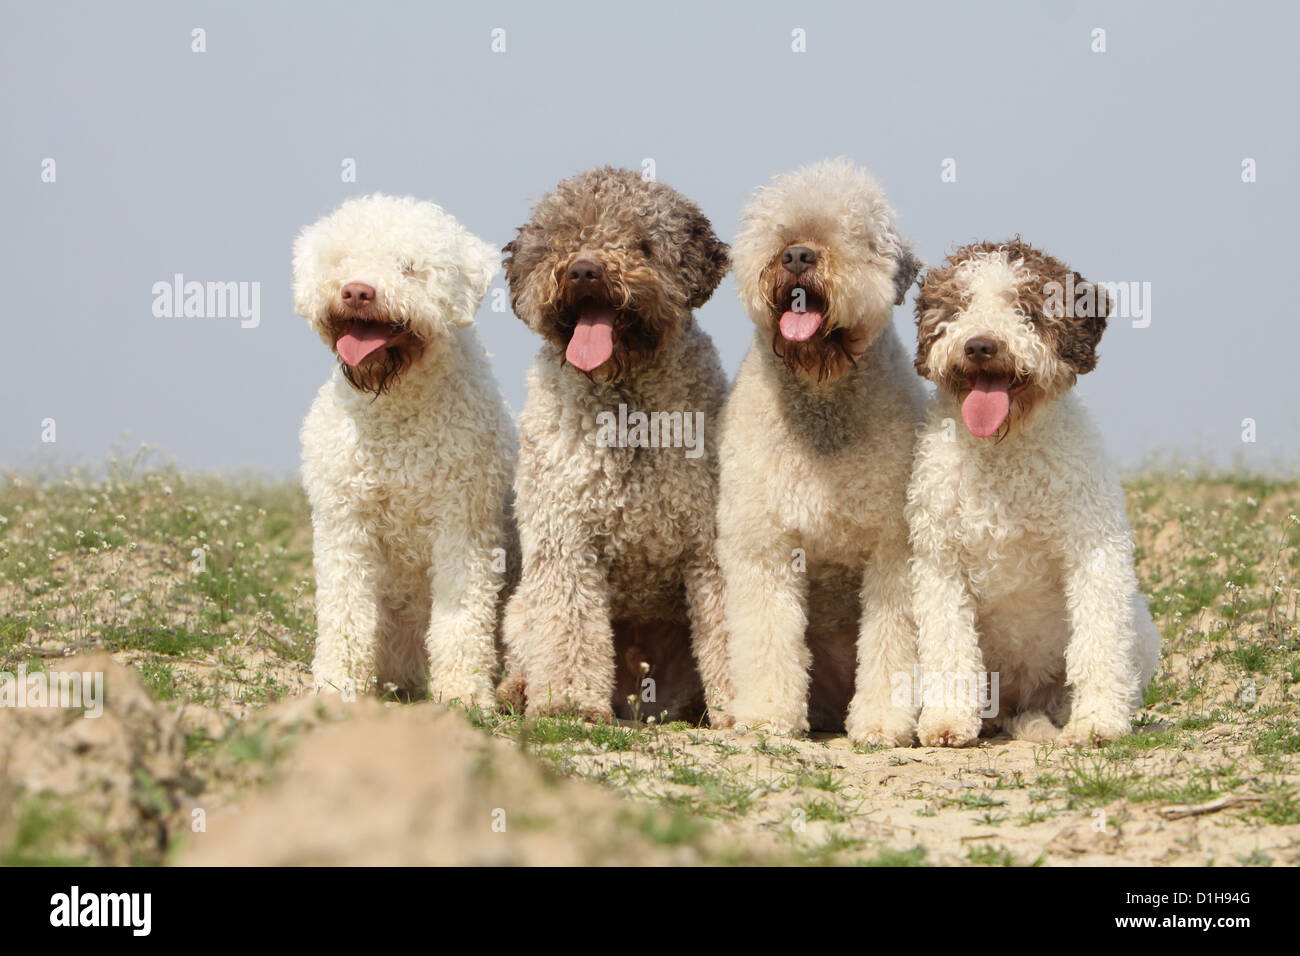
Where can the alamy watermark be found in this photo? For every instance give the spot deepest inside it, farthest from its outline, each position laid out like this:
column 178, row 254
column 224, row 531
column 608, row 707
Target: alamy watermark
column 65, row 689
column 654, row 430
column 946, row 690
column 1128, row 300
column 133, row 911
column 208, row 300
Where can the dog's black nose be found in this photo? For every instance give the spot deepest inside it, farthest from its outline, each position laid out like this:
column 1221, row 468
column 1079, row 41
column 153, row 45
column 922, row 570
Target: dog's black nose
column 798, row 259
column 586, row 270
column 981, row 349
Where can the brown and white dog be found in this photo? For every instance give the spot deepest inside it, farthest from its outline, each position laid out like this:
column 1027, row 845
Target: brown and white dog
column 1023, row 566
column 617, row 478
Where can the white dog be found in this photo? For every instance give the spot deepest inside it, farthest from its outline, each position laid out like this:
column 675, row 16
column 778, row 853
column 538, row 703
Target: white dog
column 817, row 446
column 408, row 452
column 1023, row 566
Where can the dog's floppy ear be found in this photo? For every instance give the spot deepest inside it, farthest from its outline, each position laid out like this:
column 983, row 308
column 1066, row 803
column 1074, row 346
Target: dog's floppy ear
column 1101, row 298
column 478, row 268
column 521, row 256
column 1081, row 329
column 906, row 268
column 705, row 261
column 925, row 333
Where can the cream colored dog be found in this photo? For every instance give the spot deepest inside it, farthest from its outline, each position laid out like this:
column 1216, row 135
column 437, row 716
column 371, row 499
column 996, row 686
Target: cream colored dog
column 816, row 450
column 407, row 452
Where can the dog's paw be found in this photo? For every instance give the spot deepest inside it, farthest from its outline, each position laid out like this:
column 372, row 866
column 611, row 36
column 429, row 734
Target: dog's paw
column 777, row 726
column 948, row 728
column 719, row 719
column 877, row 736
column 512, row 694
column 754, row 712
column 1094, row 729
column 349, row 688
column 889, row 729
column 476, row 693
column 595, row 715
column 1034, row 726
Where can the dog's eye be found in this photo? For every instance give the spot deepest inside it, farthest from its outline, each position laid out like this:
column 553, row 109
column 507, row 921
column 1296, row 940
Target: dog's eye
column 647, row 249
column 407, row 267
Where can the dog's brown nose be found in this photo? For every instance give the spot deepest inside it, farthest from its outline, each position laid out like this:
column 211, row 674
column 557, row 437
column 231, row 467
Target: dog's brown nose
column 586, row 270
column 798, row 259
column 357, row 293
column 981, row 349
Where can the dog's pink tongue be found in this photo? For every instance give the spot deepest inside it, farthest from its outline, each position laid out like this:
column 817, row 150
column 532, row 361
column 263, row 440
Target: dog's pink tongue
column 987, row 405
column 593, row 339
column 360, row 340
column 800, row 326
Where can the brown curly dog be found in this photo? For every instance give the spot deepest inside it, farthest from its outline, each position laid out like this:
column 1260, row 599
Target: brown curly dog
column 620, row 597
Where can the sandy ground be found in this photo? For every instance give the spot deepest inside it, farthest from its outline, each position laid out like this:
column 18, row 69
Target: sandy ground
column 212, row 748
column 317, row 781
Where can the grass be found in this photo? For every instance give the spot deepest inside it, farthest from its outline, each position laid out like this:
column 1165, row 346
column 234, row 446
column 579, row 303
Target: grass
column 709, row 795
column 975, row 801
column 823, row 810
column 38, row 834
column 553, row 730
column 153, row 561
column 992, row 855
column 1280, row 806
column 674, row 829
column 821, row 779
column 889, row 857
column 1282, row 737
column 205, row 586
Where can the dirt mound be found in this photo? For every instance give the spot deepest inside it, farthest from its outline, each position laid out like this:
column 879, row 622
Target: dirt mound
column 418, row 785
column 100, row 788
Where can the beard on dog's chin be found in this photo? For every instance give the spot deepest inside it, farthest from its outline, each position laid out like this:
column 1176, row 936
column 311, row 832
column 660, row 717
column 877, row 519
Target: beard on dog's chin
column 373, row 350
column 803, row 339
column 825, row 356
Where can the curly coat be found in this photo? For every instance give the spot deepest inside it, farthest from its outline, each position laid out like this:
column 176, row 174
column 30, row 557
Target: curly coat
column 407, row 456
column 1024, row 567
column 816, row 450
column 620, row 586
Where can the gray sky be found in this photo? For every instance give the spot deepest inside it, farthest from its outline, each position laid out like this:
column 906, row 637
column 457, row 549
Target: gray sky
column 1127, row 164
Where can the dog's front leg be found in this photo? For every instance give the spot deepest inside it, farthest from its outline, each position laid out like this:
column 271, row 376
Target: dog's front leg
column 948, row 648
column 705, row 603
column 557, row 626
column 1099, row 660
column 766, row 598
column 882, row 713
column 462, row 620
column 348, row 615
